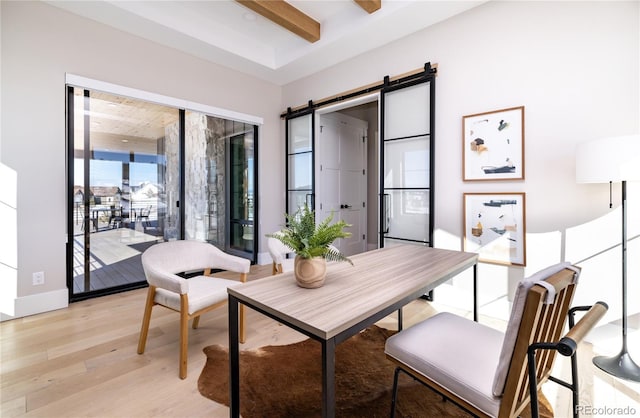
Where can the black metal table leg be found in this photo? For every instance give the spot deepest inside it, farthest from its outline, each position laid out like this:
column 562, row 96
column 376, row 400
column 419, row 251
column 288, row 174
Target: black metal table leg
column 234, row 359
column 475, row 292
column 328, row 378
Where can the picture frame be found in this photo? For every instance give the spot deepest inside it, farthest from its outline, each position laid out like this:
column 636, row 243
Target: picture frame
column 495, row 227
column 493, row 145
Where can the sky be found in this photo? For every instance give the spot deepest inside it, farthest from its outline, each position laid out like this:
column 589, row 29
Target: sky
column 109, row 173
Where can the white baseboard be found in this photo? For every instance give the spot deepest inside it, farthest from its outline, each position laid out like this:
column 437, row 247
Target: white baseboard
column 38, row 303
column 264, row 258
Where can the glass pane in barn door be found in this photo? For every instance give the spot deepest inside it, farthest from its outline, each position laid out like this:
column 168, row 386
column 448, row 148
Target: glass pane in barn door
column 406, row 201
column 300, row 162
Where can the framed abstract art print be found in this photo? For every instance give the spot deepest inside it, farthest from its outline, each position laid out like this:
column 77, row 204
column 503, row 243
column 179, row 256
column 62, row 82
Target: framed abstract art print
column 494, row 227
column 493, row 145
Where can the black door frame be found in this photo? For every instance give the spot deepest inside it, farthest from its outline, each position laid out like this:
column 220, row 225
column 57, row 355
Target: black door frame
column 70, row 155
column 426, row 77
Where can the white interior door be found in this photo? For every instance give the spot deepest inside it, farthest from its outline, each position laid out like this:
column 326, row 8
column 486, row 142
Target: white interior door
column 341, row 177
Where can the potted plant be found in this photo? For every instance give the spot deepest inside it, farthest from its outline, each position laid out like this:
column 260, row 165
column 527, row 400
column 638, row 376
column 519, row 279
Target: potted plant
column 312, row 245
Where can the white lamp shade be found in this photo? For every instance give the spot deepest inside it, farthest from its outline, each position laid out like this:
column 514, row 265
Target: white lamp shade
column 608, row 159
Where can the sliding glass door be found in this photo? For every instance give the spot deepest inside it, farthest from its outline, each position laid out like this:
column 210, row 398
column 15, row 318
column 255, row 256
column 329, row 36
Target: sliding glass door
column 242, row 182
column 220, row 183
column 131, row 163
column 120, row 160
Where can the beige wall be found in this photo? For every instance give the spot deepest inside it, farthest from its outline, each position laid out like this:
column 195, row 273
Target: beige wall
column 41, row 43
column 574, row 65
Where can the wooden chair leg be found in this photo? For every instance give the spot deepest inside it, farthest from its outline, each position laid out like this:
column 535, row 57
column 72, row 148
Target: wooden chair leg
column 242, row 329
column 276, row 269
column 146, row 319
column 184, row 334
column 196, row 322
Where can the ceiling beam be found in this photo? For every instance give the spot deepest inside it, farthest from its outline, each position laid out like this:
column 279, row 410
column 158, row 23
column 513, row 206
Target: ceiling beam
column 369, row 5
column 287, row 16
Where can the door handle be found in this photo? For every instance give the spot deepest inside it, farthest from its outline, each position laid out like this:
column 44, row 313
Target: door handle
column 345, row 206
column 308, row 199
column 385, row 216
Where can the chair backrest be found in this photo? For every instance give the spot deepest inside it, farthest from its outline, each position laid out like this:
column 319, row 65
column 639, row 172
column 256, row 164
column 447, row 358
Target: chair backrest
column 162, row 261
column 539, row 314
column 277, row 250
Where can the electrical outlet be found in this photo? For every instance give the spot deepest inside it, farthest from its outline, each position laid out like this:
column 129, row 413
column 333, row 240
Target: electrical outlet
column 38, row 278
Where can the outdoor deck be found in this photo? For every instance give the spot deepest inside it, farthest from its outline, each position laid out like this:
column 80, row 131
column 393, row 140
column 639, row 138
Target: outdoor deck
column 114, row 256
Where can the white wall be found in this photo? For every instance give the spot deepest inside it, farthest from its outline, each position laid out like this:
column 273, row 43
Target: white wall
column 575, row 68
column 9, row 242
column 41, row 43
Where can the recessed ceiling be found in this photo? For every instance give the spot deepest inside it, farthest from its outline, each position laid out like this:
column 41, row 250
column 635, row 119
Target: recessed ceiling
column 227, row 33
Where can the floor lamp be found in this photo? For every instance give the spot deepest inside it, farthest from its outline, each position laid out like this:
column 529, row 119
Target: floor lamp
column 612, row 160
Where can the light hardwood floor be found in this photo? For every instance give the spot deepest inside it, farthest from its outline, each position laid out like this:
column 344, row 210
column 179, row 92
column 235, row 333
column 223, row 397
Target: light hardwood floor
column 82, row 361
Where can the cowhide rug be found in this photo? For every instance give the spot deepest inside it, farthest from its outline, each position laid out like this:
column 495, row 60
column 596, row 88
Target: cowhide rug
column 285, row 381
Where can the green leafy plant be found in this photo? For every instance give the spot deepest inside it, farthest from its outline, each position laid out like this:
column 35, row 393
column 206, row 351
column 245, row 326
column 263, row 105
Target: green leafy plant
column 309, row 240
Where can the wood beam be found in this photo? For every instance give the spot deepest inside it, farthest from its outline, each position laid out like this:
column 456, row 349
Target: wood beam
column 287, row 16
column 369, row 5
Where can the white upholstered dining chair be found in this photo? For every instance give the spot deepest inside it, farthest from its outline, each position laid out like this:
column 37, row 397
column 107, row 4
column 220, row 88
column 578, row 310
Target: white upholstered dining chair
column 493, row 374
column 190, row 297
column 278, row 252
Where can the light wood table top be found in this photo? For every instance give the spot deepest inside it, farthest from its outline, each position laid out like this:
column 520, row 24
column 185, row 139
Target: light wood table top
column 377, row 279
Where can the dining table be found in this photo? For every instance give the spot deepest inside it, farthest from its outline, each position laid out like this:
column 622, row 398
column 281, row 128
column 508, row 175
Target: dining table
column 353, row 297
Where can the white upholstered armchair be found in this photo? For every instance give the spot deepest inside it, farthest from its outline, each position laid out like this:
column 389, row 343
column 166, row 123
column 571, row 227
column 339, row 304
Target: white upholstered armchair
column 193, row 296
